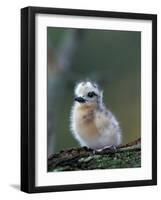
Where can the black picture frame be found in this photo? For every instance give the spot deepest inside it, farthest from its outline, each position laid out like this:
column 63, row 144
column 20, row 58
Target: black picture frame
column 28, row 98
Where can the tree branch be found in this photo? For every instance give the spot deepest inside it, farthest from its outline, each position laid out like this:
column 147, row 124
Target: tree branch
column 83, row 158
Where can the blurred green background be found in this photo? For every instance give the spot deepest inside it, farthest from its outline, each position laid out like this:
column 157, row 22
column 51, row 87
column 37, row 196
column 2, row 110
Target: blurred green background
column 112, row 59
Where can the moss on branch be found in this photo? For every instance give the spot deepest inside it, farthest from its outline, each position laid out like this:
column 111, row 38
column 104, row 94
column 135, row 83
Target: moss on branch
column 127, row 156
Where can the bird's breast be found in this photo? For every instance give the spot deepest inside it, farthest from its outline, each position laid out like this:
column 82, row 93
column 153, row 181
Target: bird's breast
column 85, row 123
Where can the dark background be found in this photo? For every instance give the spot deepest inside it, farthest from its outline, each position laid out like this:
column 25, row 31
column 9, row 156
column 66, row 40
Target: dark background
column 112, row 59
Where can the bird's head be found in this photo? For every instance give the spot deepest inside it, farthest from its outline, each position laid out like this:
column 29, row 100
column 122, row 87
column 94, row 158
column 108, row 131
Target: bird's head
column 88, row 94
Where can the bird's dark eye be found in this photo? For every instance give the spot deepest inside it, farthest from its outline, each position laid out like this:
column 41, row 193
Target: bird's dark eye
column 91, row 94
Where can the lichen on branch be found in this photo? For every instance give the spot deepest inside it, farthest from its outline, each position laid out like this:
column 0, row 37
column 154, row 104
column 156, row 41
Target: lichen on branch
column 83, row 158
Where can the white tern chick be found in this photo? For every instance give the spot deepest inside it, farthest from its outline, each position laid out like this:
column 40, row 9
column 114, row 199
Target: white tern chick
column 91, row 123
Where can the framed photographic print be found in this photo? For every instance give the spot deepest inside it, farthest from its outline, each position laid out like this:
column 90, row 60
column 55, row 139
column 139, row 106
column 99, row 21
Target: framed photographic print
column 88, row 99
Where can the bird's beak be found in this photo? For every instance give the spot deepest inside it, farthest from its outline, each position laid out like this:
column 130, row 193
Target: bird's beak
column 80, row 99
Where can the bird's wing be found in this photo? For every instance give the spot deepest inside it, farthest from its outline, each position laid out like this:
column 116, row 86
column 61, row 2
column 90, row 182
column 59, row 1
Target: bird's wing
column 105, row 119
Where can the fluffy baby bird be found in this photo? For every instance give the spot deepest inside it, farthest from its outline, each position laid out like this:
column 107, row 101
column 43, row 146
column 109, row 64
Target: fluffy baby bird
column 91, row 123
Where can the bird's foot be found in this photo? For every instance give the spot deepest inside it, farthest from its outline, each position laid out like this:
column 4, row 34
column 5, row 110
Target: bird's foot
column 111, row 147
column 106, row 148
